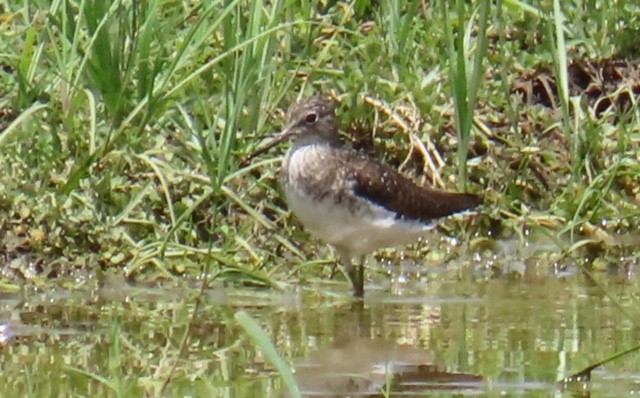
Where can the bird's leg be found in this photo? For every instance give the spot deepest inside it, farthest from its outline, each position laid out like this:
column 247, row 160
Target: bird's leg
column 360, row 278
column 355, row 274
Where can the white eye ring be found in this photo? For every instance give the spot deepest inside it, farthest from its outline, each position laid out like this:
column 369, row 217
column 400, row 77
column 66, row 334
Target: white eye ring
column 311, row 118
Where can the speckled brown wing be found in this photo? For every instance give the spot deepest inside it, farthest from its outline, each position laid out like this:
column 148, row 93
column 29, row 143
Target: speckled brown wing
column 388, row 188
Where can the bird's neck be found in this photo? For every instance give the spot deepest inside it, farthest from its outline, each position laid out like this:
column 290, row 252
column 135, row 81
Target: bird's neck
column 331, row 140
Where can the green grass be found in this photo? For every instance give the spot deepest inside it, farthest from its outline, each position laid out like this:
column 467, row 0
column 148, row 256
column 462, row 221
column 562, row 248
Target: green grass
column 131, row 121
column 124, row 125
column 261, row 340
column 465, row 73
column 127, row 122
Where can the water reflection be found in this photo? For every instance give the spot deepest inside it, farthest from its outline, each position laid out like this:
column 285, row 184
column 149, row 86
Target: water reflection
column 364, row 366
column 499, row 336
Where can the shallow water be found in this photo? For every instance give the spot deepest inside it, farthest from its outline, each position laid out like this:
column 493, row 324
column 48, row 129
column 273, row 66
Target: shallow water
column 496, row 337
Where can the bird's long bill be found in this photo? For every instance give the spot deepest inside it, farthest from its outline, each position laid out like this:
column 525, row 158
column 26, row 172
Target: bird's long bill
column 277, row 139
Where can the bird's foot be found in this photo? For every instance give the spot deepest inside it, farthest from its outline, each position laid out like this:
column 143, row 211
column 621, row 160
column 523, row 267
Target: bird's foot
column 356, row 274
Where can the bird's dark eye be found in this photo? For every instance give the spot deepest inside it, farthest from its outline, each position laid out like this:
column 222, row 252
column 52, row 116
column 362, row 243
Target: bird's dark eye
column 311, row 118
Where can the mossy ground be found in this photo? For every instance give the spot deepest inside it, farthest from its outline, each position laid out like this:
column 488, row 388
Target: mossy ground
column 124, row 128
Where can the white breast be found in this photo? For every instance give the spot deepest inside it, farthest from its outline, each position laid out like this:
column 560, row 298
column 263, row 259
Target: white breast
column 358, row 229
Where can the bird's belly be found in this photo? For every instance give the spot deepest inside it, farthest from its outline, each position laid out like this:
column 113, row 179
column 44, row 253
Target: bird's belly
column 357, row 229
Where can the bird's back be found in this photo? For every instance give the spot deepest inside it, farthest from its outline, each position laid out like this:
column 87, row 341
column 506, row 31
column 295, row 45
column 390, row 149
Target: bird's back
column 350, row 201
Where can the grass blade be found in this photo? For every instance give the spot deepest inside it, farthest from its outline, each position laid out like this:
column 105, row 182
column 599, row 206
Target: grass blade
column 258, row 336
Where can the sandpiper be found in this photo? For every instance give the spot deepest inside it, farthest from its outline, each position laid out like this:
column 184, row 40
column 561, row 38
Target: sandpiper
column 352, row 202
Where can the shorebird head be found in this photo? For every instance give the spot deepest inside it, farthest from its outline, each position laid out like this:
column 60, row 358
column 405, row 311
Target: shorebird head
column 312, row 120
